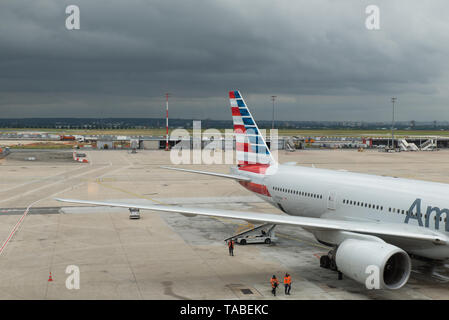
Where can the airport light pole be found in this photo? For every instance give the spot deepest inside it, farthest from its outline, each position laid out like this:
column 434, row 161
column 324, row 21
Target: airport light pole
column 166, row 123
column 272, row 119
column 393, row 100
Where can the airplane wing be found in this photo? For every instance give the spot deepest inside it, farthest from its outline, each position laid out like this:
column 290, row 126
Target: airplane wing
column 380, row 229
column 221, row 175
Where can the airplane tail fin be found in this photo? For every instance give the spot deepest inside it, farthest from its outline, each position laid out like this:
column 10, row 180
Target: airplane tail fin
column 251, row 147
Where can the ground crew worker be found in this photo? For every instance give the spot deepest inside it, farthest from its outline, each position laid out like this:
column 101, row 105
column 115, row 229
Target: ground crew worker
column 274, row 284
column 287, row 283
column 231, row 247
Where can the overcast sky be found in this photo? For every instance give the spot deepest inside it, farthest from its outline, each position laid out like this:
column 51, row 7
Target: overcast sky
column 317, row 56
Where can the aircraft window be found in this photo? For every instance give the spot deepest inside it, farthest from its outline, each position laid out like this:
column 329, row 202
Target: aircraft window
column 344, row 201
column 389, row 209
column 377, row 207
column 369, row 206
column 402, row 211
column 366, row 205
column 440, row 218
column 381, row 208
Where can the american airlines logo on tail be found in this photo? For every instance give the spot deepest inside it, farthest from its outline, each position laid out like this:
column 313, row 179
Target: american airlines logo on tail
column 250, row 144
column 418, row 215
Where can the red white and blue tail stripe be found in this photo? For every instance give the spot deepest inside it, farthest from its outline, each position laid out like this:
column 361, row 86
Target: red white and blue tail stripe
column 250, row 144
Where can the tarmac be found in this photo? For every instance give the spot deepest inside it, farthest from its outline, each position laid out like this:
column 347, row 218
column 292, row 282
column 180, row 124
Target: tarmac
column 170, row 256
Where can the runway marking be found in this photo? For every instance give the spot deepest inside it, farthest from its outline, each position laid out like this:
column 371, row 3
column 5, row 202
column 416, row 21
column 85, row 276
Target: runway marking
column 22, row 218
column 16, row 227
column 51, row 184
column 100, row 182
column 39, row 180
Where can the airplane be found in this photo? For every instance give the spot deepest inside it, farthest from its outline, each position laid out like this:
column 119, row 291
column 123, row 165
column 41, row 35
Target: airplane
column 367, row 220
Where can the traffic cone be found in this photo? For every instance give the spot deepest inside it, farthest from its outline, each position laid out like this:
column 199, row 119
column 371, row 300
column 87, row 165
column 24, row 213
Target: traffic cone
column 50, row 278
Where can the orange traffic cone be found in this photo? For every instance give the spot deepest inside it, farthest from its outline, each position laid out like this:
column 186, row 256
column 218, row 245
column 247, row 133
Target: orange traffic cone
column 50, row 278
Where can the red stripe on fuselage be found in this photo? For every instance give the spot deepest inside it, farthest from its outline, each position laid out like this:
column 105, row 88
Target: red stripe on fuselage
column 255, row 187
column 259, row 168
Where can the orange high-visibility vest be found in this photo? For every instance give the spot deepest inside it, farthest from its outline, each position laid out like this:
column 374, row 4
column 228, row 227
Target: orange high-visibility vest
column 274, row 282
column 231, row 244
column 288, row 280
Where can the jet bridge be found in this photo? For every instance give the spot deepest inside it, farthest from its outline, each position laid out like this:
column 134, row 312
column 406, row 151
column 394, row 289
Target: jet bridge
column 260, row 234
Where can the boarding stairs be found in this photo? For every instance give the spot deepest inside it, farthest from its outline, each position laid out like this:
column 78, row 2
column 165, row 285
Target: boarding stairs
column 428, row 145
column 267, row 228
column 405, row 146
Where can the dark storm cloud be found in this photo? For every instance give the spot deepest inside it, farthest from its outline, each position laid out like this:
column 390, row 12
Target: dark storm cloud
column 317, row 56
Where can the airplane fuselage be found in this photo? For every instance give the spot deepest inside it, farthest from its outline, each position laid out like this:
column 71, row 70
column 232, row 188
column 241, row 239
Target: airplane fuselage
column 342, row 195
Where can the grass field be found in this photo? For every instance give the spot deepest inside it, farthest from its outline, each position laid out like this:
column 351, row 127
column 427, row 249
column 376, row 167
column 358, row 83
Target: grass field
column 282, row 132
column 41, row 145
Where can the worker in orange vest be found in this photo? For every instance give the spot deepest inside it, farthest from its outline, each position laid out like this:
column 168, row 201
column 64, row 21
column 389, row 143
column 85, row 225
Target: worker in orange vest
column 287, row 283
column 231, row 247
column 274, row 284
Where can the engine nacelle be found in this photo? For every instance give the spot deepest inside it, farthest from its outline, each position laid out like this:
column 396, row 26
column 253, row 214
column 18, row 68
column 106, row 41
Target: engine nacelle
column 353, row 257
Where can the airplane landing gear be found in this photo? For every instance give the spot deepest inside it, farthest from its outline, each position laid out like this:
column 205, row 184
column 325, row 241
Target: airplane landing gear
column 328, row 262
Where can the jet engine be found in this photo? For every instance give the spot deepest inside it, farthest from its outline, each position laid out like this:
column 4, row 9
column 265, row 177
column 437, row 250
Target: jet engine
column 357, row 259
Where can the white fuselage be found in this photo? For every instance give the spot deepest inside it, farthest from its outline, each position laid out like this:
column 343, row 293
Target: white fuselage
column 322, row 193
